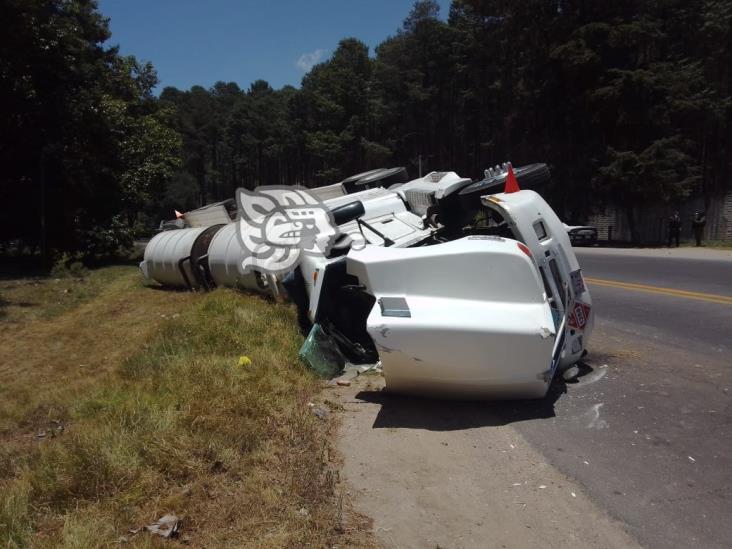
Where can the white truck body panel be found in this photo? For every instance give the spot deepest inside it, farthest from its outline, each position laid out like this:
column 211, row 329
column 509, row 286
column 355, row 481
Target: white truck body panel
column 479, row 323
column 328, row 192
column 387, row 213
column 214, row 214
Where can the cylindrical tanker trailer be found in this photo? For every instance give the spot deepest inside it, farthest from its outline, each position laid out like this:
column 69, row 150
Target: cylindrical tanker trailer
column 225, row 257
column 178, row 258
column 203, row 257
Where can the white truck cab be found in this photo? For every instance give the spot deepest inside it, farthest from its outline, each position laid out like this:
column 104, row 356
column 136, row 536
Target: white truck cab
column 477, row 316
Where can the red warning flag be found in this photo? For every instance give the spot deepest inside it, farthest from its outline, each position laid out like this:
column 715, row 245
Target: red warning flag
column 511, row 182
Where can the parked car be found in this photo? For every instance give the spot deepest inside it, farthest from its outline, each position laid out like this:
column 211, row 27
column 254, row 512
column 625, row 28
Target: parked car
column 581, row 235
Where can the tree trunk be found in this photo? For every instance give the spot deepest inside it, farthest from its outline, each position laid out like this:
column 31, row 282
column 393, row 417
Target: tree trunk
column 632, row 224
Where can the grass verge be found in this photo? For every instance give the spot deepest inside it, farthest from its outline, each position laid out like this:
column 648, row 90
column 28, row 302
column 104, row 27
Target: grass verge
column 36, row 298
column 715, row 244
column 131, row 403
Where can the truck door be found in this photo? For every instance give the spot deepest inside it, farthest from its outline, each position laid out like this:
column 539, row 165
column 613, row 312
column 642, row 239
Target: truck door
column 534, row 223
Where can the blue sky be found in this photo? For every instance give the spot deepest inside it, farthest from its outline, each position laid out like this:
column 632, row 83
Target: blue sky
column 200, row 42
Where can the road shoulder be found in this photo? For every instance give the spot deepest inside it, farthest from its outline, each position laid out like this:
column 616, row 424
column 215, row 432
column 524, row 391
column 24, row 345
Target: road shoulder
column 444, row 474
column 702, row 253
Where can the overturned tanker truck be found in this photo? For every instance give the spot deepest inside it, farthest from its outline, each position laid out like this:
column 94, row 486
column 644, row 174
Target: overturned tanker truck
column 458, row 288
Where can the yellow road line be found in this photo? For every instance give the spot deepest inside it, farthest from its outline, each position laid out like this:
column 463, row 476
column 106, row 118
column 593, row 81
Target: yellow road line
column 713, row 298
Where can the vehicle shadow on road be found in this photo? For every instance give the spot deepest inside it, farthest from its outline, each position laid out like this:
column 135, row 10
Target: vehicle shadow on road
column 399, row 411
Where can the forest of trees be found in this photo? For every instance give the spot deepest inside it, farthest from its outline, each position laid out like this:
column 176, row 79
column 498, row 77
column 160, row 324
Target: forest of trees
column 627, row 101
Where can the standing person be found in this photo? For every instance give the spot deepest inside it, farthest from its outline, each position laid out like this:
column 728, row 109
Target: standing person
column 700, row 220
column 674, row 228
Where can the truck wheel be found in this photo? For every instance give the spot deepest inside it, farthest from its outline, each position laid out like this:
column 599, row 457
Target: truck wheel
column 531, row 176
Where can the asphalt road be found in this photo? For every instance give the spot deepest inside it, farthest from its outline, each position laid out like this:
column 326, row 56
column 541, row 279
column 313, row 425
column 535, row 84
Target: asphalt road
column 647, row 429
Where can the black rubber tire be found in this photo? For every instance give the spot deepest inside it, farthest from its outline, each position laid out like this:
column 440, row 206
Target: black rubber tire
column 359, row 176
column 530, row 177
column 378, row 178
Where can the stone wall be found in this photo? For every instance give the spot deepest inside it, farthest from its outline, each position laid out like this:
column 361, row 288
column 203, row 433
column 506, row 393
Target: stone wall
column 725, row 229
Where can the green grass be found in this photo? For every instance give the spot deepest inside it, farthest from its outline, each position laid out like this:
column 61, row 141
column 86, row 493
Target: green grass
column 715, row 244
column 27, row 299
column 162, row 419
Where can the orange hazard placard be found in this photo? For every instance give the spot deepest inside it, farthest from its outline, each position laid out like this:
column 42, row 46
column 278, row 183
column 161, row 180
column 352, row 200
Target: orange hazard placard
column 579, row 315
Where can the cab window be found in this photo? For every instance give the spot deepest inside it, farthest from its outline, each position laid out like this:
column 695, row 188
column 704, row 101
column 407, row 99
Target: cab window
column 540, row 230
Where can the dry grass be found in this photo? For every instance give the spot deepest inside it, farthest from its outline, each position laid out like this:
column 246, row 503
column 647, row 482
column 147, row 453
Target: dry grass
column 145, row 410
column 35, row 298
column 715, row 244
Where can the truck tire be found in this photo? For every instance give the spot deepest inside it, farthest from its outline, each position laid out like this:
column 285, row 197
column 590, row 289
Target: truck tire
column 531, row 177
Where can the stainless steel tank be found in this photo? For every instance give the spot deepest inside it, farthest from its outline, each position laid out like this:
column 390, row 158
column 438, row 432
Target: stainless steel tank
column 167, row 258
column 225, row 257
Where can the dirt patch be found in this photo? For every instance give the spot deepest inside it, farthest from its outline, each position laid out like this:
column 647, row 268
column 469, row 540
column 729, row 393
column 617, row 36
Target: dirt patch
column 441, row 474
